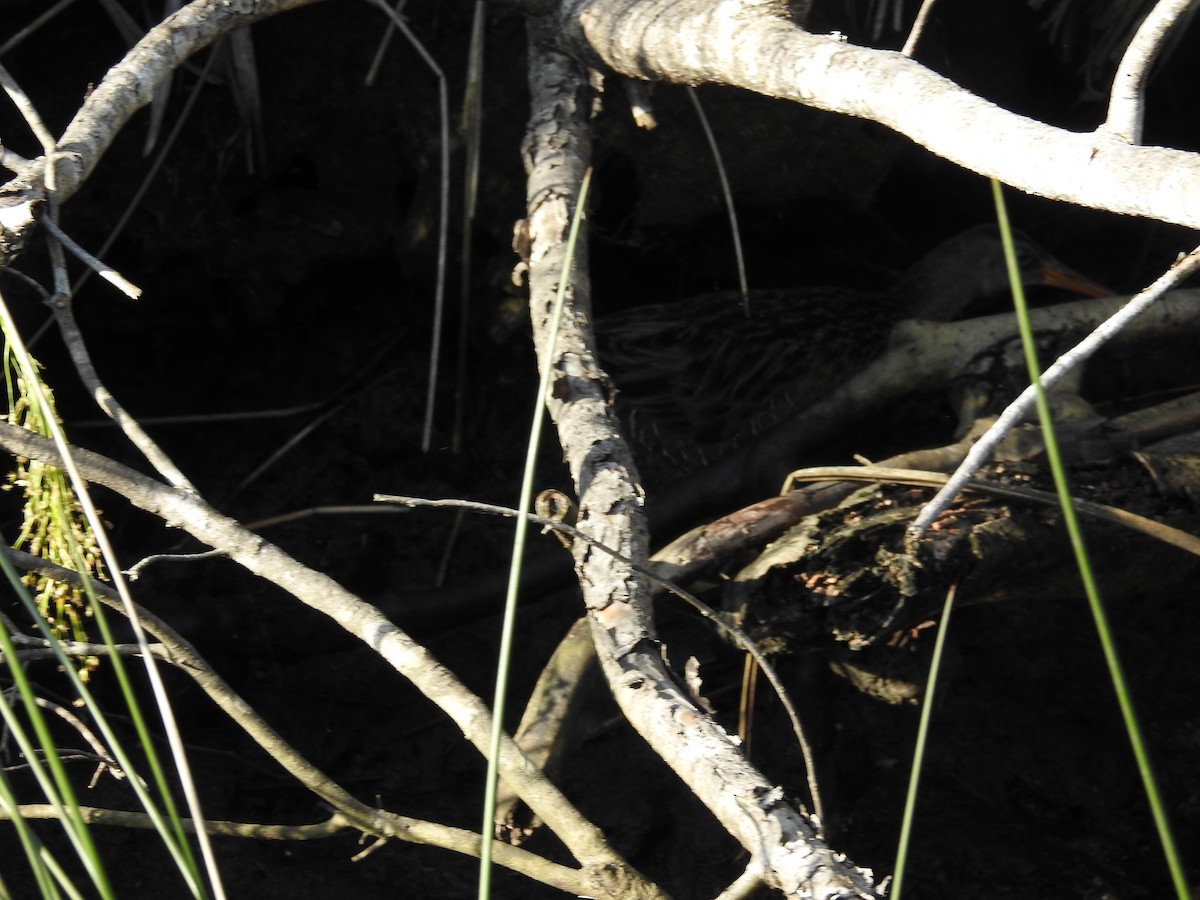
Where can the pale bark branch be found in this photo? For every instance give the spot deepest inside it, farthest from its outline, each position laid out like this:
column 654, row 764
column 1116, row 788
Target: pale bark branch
column 456, row 839
column 350, row 812
column 745, row 43
column 1126, row 108
column 126, row 88
column 921, row 356
column 608, row 872
column 707, row 759
column 1066, row 364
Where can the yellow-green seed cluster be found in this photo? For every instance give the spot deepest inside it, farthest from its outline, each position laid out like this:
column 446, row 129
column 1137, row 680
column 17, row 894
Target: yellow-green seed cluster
column 53, row 527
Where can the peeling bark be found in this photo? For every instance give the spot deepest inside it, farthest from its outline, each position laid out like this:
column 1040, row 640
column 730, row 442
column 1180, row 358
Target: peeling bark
column 779, row 837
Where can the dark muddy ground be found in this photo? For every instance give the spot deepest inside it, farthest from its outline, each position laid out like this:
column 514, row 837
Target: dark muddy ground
column 308, row 281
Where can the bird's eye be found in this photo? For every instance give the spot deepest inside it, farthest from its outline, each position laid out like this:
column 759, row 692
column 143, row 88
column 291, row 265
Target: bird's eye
column 1027, row 257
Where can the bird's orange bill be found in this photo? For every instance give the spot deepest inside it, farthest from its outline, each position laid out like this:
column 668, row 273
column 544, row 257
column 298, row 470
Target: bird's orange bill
column 1059, row 276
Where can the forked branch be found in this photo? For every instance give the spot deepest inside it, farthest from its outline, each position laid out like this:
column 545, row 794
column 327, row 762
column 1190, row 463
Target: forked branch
column 608, row 874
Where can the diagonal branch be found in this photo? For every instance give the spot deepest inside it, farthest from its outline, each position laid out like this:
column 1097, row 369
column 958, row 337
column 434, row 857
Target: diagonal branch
column 747, row 44
column 586, row 842
column 126, row 88
column 775, row 833
column 350, row 812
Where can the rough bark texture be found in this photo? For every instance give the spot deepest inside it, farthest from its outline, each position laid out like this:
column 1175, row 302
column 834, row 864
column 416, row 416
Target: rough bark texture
column 780, row 839
column 611, row 876
column 746, row 43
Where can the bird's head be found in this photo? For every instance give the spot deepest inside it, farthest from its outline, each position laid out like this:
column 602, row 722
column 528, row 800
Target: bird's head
column 971, row 267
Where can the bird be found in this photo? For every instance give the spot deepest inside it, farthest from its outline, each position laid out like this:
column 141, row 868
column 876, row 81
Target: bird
column 696, row 379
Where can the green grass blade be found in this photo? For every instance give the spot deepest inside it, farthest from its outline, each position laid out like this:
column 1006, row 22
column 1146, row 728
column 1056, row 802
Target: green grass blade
column 32, row 405
column 1108, row 645
column 524, row 507
column 174, row 838
column 44, row 867
column 47, row 767
column 914, row 776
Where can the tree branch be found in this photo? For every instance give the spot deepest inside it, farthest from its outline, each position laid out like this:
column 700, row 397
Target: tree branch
column 1126, row 109
column 607, row 872
column 457, row 839
column 350, row 812
column 126, row 88
column 747, row 44
column 708, row 760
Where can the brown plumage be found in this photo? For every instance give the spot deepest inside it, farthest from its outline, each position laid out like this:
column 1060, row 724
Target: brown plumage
column 699, row 377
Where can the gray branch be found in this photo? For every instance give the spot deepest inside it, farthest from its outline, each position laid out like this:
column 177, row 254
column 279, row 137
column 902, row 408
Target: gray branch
column 748, row 44
column 778, row 836
column 605, row 872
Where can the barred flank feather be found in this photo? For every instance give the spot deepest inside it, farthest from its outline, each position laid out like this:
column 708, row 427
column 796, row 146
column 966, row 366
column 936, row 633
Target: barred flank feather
column 700, row 377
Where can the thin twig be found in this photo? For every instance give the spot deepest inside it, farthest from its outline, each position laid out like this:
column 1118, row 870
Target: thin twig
column 162, row 94
column 83, row 648
column 736, row 634
column 250, row 415
column 727, row 194
column 105, row 758
column 25, row 106
column 109, row 274
column 918, row 27
column 118, row 227
column 334, row 405
column 100, row 816
column 358, row 385
column 33, row 26
column 385, row 41
column 1019, row 408
column 135, row 571
column 352, row 811
column 243, row 73
column 472, row 130
column 439, row 299
column 1099, row 511
column 359, row 618
column 356, row 509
